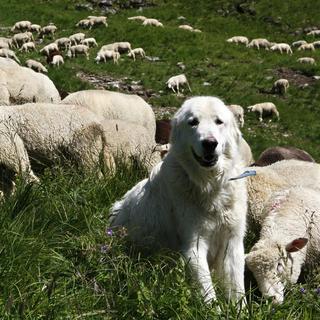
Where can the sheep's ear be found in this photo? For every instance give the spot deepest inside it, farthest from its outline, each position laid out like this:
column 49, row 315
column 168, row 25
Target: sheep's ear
column 296, row 244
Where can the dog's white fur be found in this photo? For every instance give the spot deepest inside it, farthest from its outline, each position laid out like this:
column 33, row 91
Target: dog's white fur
column 192, row 208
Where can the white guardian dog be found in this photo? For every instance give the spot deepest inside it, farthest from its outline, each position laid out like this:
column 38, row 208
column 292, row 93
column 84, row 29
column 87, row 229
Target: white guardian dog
column 189, row 203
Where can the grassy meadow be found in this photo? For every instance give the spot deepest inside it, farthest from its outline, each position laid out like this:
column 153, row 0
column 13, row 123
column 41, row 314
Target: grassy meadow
column 58, row 258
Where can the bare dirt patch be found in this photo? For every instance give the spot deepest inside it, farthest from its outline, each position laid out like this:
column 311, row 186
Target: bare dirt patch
column 295, row 77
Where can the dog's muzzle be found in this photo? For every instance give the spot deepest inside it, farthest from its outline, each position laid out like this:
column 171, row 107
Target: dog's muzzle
column 209, row 157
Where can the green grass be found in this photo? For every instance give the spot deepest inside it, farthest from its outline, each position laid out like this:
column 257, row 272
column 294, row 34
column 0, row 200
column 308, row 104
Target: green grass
column 57, row 260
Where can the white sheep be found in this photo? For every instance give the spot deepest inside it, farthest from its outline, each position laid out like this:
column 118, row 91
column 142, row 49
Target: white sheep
column 122, row 47
column 20, row 38
column 6, row 43
column 259, row 43
column 136, row 51
column 306, row 46
column 48, row 30
column 176, row 81
column 20, row 85
column 298, row 43
column 238, row 113
column 307, row 60
column 7, row 53
column 28, row 46
column 57, row 60
column 35, row 28
column 21, row 26
column 197, row 31
column 63, row 43
column 107, row 54
column 116, row 105
column 238, row 39
column 77, row 38
column 314, row 33
column 36, row 66
column 282, row 47
column 185, row 27
column 280, row 86
column 152, row 22
column 96, row 20
column 90, row 42
column 73, row 51
column 316, row 44
column 85, row 23
column 265, row 107
column 141, row 18
column 51, row 47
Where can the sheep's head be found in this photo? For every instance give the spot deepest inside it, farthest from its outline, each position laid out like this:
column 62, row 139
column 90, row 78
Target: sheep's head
column 275, row 266
column 251, row 108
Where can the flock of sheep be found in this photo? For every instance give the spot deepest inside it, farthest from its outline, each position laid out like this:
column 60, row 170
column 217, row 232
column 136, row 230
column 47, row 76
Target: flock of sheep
column 93, row 126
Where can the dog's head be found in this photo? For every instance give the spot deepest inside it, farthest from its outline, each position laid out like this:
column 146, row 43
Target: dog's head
column 204, row 133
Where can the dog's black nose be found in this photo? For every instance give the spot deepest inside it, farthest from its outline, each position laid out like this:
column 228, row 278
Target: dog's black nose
column 209, row 145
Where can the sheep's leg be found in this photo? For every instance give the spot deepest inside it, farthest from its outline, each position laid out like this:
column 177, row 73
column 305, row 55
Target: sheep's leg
column 260, row 116
column 189, row 86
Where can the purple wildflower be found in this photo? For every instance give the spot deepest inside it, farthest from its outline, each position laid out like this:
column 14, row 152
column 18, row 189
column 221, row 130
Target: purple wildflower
column 318, row 291
column 109, row 232
column 303, row 290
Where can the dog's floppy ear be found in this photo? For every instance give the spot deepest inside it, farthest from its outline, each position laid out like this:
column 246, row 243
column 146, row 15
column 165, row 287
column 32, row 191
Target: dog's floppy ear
column 235, row 133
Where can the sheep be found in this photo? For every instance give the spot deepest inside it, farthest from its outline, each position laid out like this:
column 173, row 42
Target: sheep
column 73, row 51
column 36, row 66
column 307, row 60
column 94, row 20
column 152, row 22
column 245, row 152
column 63, row 43
column 76, row 38
column 116, row 105
column 107, row 54
column 176, row 81
column 85, row 23
column 46, row 50
column 20, row 38
column 306, row 46
column 316, row 44
column 136, row 51
column 20, row 85
column 28, row 46
column 21, row 26
column 289, row 239
column 90, row 42
column 185, row 27
column 280, row 86
column 122, row 47
column 274, row 154
column 238, row 112
column 7, row 53
column 238, row 39
column 314, row 33
column 259, row 43
column 48, row 30
column 281, row 47
column 63, row 133
column 35, row 28
column 6, row 43
column 298, row 43
column 57, row 60
column 141, row 18
column 265, row 107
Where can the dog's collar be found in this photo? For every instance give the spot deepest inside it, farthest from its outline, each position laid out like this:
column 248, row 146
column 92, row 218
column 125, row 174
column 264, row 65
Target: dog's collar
column 245, row 174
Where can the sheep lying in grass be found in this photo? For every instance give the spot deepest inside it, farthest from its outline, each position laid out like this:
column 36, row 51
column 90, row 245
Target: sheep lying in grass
column 116, row 105
column 152, row 22
column 136, row 51
column 307, row 60
column 306, row 46
column 281, row 47
column 51, row 47
column 107, row 54
column 238, row 112
column 73, row 51
column 289, row 239
column 141, row 18
column 21, row 26
column 57, row 60
column 280, row 86
column 28, row 46
column 259, row 43
column 264, row 108
column 77, row 38
column 36, row 66
column 21, row 85
column 177, row 81
column 185, row 27
column 90, row 42
column 7, row 53
column 238, row 39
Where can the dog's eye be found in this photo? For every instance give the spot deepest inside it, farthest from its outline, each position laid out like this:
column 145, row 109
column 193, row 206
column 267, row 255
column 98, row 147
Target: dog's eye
column 193, row 122
column 219, row 121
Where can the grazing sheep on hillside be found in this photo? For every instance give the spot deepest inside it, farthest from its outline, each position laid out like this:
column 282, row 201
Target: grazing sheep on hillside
column 282, row 47
column 7, row 53
column 176, row 81
column 21, row 26
column 259, row 43
column 122, row 47
column 280, row 86
column 238, row 39
column 36, row 66
column 21, row 85
column 314, row 33
column 316, row 44
column 152, row 22
column 298, row 43
column 136, row 51
column 51, row 47
column 48, row 30
column 238, row 112
column 90, row 42
column 85, row 23
column 274, row 154
column 63, row 43
column 57, row 60
column 77, row 38
column 28, row 46
column 35, row 28
column 6, row 43
column 306, row 46
column 185, row 27
column 141, row 18
column 98, row 20
column 265, row 107
column 73, row 51
column 116, row 105
column 107, row 54
column 307, row 60
column 20, row 38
